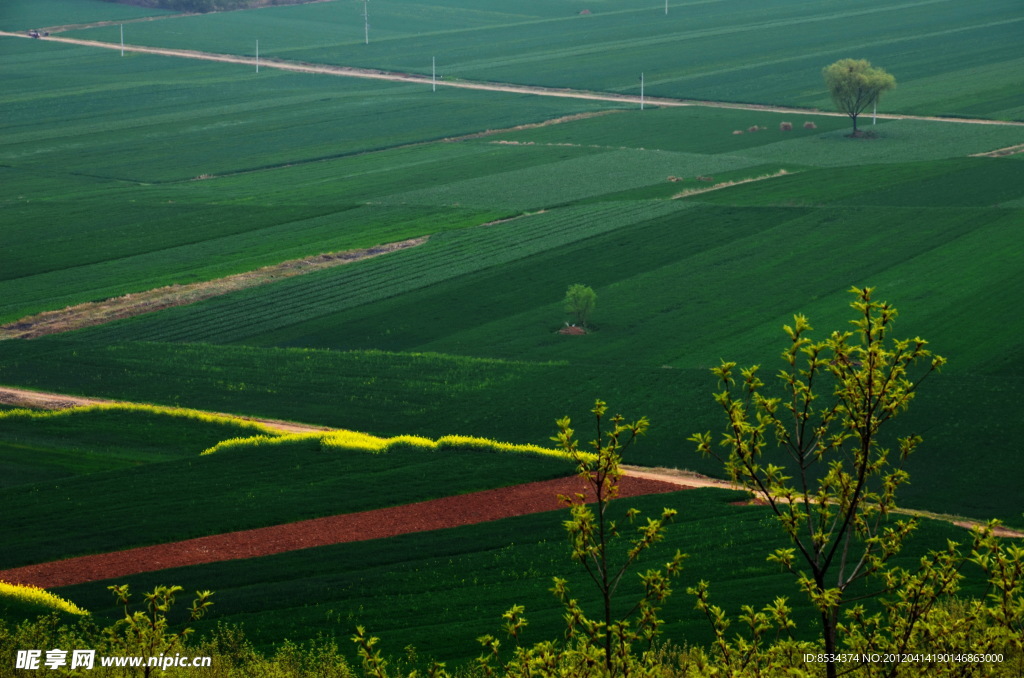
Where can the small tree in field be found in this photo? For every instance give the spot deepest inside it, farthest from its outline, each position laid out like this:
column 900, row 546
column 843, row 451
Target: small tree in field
column 854, row 85
column 836, row 506
column 147, row 632
column 605, row 644
column 579, row 303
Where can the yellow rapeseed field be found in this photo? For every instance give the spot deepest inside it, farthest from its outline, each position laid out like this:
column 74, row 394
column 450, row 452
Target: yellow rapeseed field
column 37, row 596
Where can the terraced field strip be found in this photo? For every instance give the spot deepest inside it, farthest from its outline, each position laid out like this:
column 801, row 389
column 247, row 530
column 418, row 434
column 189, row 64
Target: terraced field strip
column 437, row 514
column 681, row 479
column 376, row 74
column 57, row 401
column 97, row 313
column 248, row 314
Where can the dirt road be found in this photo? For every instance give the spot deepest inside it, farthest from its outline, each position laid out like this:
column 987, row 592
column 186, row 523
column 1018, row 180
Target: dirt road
column 374, row 74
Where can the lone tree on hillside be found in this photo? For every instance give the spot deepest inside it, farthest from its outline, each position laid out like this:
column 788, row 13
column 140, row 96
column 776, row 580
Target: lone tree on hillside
column 579, row 303
column 854, row 85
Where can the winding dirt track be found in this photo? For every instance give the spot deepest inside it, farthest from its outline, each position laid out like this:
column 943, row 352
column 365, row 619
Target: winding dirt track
column 374, row 74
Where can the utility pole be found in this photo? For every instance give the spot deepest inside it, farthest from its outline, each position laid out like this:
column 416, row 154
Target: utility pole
column 641, row 91
column 122, row 39
column 366, row 22
column 257, row 56
column 433, row 73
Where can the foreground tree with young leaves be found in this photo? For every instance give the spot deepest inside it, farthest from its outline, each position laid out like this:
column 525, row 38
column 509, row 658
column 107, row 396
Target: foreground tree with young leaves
column 605, row 644
column 836, row 495
column 147, row 633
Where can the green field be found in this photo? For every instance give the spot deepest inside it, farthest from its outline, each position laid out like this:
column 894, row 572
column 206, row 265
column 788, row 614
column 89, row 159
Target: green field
column 962, row 467
column 950, row 57
column 77, row 156
column 463, row 579
column 121, row 174
column 188, row 495
column 36, row 448
column 907, row 228
column 47, row 14
column 287, row 179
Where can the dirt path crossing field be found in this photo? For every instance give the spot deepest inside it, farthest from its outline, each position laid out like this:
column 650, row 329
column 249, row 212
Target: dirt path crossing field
column 376, row 74
column 681, row 479
column 95, row 313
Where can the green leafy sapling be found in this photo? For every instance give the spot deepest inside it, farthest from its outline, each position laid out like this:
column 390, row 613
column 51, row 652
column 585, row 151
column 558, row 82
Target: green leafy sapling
column 592, row 532
column 604, row 644
column 147, row 632
column 836, row 506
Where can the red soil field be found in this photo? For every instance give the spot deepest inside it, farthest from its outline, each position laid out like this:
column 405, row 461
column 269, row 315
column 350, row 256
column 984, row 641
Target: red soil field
column 436, row 514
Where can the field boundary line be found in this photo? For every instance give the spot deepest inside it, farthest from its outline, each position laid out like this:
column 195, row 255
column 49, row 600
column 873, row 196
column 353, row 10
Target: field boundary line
column 396, row 76
column 535, row 125
column 1000, row 152
column 691, row 479
column 93, row 313
column 727, row 184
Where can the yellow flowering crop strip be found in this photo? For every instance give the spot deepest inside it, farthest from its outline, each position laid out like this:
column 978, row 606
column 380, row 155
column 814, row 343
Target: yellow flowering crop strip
column 338, row 439
column 37, row 596
column 341, row 439
column 412, row 441
column 260, row 441
column 503, row 447
column 182, row 412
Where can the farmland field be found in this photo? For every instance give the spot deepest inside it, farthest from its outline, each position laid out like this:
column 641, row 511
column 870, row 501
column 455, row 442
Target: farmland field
column 463, row 579
column 434, row 395
column 34, row 448
column 951, row 57
column 713, row 247
column 117, row 508
column 138, row 219
column 702, row 230
column 42, row 14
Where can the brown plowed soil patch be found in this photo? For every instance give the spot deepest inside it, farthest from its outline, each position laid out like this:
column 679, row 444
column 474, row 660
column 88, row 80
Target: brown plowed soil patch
column 467, row 509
